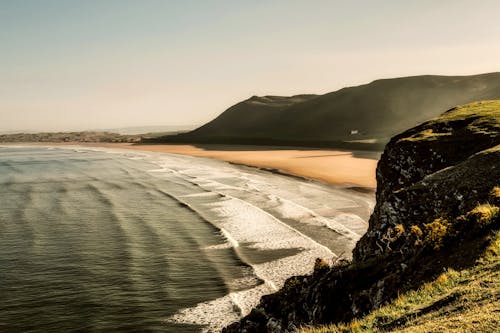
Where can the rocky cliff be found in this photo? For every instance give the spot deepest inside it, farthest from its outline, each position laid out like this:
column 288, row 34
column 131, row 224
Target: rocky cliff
column 438, row 193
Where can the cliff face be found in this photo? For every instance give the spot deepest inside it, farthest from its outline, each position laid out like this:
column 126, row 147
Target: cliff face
column 432, row 171
column 438, row 193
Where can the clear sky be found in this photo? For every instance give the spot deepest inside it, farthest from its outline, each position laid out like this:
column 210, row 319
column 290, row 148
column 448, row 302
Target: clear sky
column 74, row 64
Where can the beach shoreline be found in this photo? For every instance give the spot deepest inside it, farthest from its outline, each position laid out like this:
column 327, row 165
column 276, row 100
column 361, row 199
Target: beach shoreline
column 277, row 223
column 349, row 168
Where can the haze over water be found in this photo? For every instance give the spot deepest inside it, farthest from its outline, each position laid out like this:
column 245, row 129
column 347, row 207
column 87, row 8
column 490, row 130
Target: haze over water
column 106, row 240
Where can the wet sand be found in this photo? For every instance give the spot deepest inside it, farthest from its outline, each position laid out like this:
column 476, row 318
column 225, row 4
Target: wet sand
column 332, row 166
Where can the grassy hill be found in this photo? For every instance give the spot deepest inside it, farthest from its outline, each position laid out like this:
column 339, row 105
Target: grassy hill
column 374, row 111
column 457, row 301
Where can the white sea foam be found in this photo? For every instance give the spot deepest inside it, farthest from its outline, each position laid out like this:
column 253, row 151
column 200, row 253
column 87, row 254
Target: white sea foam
column 353, row 222
column 242, row 218
column 242, row 222
column 202, row 194
column 250, row 208
column 216, row 314
column 339, row 224
column 231, row 240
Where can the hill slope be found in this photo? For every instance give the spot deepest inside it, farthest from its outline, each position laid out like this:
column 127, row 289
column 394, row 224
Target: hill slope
column 438, row 199
column 376, row 110
column 456, row 301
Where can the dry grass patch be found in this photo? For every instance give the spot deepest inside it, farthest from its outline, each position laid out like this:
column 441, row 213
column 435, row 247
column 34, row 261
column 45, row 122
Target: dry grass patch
column 464, row 301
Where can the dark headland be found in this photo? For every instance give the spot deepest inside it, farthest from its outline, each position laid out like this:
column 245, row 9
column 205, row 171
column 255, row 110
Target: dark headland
column 430, row 260
column 361, row 117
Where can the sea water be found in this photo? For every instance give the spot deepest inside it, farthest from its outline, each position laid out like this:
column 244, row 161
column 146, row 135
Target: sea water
column 102, row 240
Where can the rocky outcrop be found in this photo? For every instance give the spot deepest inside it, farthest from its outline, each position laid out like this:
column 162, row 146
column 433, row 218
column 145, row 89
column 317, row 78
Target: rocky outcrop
column 438, row 193
column 435, row 169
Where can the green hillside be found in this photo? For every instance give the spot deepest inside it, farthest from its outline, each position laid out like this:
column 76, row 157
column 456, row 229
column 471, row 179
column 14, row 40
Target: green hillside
column 457, row 301
column 377, row 110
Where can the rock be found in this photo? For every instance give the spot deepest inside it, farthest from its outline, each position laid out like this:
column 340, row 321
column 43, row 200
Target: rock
column 438, row 194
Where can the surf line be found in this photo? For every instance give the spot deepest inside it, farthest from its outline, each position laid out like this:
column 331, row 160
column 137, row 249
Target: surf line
column 335, row 226
column 227, row 234
column 230, row 238
column 283, row 224
column 224, row 233
column 269, row 215
column 332, row 225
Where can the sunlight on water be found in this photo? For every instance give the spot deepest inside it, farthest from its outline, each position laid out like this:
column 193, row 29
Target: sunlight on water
column 101, row 240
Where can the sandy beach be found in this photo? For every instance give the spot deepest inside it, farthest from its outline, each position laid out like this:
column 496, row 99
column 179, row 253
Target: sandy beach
column 332, row 166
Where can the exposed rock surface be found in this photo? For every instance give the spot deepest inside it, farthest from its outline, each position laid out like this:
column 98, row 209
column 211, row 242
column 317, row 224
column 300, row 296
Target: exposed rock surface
column 437, row 203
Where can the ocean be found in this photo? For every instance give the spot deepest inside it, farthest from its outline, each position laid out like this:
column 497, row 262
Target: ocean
column 104, row 240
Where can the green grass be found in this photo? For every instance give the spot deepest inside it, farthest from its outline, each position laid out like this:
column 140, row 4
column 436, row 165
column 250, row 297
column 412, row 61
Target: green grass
column 483, row 118
column 464, row 301
column 480, row 109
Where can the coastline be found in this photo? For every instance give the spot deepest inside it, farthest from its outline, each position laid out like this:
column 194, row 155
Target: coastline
column 302, row 220
column 356, row 169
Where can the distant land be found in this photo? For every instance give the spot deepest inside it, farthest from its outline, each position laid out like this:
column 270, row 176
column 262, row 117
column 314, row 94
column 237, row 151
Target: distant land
column 356, row 117
column 79, row 137
column 135, row 130
column 361, row 117
column 86, row 136
column 131, row 130
column 117, row 135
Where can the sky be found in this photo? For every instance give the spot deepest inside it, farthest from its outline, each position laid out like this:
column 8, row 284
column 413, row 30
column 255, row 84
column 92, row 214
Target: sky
column 75, row 65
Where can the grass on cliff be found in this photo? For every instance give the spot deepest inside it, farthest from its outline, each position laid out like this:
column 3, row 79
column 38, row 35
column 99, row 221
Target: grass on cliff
column 464, row 301
column 483, row 117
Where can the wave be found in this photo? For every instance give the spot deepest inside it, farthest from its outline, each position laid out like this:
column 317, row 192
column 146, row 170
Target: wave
column 248, row 215
column 276, row 226
column 246, row 225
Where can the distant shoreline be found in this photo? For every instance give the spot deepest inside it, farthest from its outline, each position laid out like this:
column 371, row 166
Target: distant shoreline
column 341, row 167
